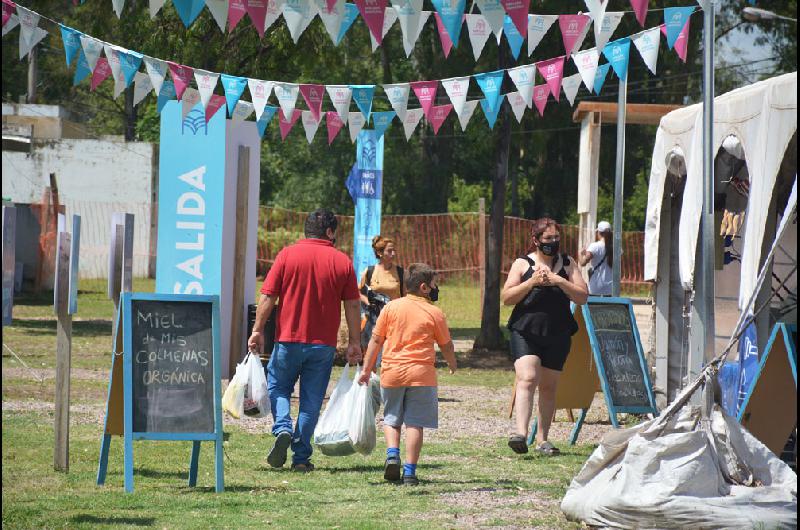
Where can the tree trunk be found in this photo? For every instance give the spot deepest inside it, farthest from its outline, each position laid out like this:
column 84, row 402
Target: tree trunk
column 515, row 163
column 33, row 75
column 130, row 115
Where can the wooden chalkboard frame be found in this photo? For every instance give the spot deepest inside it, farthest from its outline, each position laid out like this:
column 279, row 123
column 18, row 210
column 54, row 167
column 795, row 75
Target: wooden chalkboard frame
column 124, row 319
column 613, row 409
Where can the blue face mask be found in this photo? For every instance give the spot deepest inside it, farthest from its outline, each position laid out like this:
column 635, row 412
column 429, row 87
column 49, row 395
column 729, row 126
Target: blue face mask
column 551, row 248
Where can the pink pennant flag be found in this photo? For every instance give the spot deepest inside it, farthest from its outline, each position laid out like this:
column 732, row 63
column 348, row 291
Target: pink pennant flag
column 181, row 76
column 640, row 9
column 214, row 104
column 681, row 46
column 553, row 71
column 439, row 113
column 573, row 30
column 286, row 125
column 373, row 12
column 540, row 95
column 334, row 123
column 330, row 4
column 9, row 8
column 236, row 10
column 517, row 10
column 313, row 95
column 444, row 37
column 101, row 71
column 426, row 94
column 257, row 9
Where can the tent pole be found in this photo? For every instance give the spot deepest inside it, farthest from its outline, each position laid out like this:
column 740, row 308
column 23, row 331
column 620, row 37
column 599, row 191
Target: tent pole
column 619, row 183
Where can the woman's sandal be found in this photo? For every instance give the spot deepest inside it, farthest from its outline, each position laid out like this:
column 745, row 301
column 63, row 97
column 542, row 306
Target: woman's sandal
column 546, row 448
column 518, row 444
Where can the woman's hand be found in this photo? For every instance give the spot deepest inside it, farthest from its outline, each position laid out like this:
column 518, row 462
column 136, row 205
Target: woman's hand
column 539, row 278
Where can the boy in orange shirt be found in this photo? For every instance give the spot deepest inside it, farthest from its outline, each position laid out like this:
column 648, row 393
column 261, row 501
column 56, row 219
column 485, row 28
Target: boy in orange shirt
column 407, row 329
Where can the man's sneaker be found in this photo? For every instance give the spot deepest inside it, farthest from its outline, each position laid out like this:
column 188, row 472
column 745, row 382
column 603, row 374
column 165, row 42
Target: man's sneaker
column 303, row 467
column 391, row 469
column 410, row 480
column 277, row 455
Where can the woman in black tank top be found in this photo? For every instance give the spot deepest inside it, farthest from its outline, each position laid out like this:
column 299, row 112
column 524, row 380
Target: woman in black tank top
column 541, row 286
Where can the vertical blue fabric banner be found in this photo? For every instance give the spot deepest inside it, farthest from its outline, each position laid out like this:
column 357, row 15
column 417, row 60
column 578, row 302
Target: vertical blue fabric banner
column 365, row 184
column 190, row 206
column 748, row 363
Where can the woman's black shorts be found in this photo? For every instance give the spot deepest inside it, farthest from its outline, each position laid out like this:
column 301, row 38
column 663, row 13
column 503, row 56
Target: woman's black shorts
column 552, row 351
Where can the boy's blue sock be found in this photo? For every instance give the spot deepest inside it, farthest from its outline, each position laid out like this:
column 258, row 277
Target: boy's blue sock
column 392, row 452
column 409, row 470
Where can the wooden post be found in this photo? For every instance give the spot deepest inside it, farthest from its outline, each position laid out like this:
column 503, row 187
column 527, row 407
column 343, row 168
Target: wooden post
column 44, row 226
column 63, row 352
column 127, row 253
column 239, row 259
column 115, row 268
column 9, row 261
column 482, row 246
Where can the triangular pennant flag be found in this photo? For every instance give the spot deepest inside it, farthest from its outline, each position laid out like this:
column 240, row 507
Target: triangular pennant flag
column 438, row 115
column 362, row 95
column 350, row 16
column 266, row 118
column 647, row 42
column 571, row 85
column 13, row 22
column 538, row 25
column 373, row 12
column 552, row 71
column 313, row 94
column 518, row 104
column 26, row 47
column 119, row 83
column 117, row 5
column 190, row 99
column 398, row 98
column 426, row 94
column 206, row 83
column 188, row 10
column 513, row 37
column 181, row 76
column 286, row 93
column 244, row 109
column 91, row 49
column 640, row 9
column 382, row 120
column 408, row 13
column 479, row 30
column 298, row 14
column 675, row 18
column 586, row 62
column 452, row 14
column 523, row 78
column 70, row 37
column 491, row 113
column 467, row 112
column 28, row 22
column 604, row 30
column 334, row 123
column 274, row 12
column 259, row 94
column 101, row 71
column 340, row 96
column 82, row 70
column 257, row 9
column 540, row 95
column 355, row 122
column 682, row 43
column 618, row 54
column 166, row 94
column 129, row 62
column 310, row 124
column 219, row 11
column 214, row 104
column 457, row 89
column 413, row 116
column 444, row 36
column 518, row 11
column 112, row 54
column 389, row 18
column 156, row 5
column 573, row 30
column 286, row 124
column 141, row 87
column 234, row 88
column 331, row 16
column 597, row 8
column 236, row 12
column 600, row 77
column 490, row 84
column 408, row 44
column 9, row 8
column 157, row 70
column 494, row 13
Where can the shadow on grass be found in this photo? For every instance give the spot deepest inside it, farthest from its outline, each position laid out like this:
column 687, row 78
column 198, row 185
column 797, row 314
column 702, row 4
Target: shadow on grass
column 449, row 400
column 151, row 473
column 80, row 328
column 129, row 521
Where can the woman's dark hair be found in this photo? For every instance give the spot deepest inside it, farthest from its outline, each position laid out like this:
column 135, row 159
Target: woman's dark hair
column 318, row 222
column 608, row 239
column 537, row 229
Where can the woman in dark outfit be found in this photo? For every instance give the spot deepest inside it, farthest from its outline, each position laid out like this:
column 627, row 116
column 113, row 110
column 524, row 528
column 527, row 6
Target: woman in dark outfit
column 541, row 286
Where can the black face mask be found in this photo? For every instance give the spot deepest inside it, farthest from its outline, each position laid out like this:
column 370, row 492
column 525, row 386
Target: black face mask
column 549, row 249
column 433, row 295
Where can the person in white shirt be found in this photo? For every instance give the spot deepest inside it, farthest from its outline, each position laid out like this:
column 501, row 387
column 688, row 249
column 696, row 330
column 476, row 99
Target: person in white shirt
column 600, row 255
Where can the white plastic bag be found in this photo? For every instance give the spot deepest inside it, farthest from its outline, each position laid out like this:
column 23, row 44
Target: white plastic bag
column 256, row 399
column 332, row 435
column 233, row 399
column 362, row 419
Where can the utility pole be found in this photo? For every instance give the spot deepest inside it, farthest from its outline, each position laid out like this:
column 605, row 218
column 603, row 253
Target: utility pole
column 32, row 75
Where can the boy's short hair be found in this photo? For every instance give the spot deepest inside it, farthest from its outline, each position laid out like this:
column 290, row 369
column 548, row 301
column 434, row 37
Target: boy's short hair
column 417, row 274
column 318, row 222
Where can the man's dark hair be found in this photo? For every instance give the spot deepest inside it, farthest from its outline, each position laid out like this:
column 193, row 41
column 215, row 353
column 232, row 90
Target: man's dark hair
column 418, row 273
column 318, row 222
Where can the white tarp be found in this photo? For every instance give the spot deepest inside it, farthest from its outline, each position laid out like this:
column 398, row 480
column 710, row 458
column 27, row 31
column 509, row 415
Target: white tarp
column 763, row 117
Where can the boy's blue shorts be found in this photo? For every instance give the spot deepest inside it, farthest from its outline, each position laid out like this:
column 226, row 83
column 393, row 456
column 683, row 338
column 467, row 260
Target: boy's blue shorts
column 414, row 406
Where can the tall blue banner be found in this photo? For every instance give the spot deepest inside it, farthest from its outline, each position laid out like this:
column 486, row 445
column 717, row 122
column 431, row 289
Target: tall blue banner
column 190, row 206
column 365, row 184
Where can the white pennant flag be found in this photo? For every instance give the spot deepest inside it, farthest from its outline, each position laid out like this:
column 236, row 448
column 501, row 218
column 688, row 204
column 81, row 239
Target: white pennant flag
column 408, row 45
column 518, row 104
column 120, row 83
column 118, row 5
column 389, row 18
column 310, row 125
column 524, row 78
column 409, row 13
column 398, row 98
column 218, row 8
column 242, row 111
column 28, row 22
column 156, row 5
column 456, row 89
column 647, row 42
column 603, row 31
column 332, row 20
column 259, row 93
column 26, row 47
column 91, row 49
column 340, row 96
column 206, row 83
column 467, row 112
column 355, row 122
column 410, row 122
column 189, row 99
column 112, row 54
column 597, row 8
column 12, row 23
column 274, row 12
column 298, row 15
column 586, row 62
column 287, row 97
column 538, row 25
column 142, row 85
column 479, row 30
column 494, row 13
column 156, row 69
column 571, row 85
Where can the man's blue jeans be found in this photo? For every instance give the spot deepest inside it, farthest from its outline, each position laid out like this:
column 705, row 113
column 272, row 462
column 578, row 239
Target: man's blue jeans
column 312, row 364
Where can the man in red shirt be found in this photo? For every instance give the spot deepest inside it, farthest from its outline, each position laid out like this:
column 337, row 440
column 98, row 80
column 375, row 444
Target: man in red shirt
column 310, row 279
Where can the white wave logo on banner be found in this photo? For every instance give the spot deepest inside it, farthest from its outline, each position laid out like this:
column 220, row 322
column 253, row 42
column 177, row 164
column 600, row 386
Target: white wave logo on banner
column 523, row 78
column 206, row 83
column 603, row 31
column 389, row 18
column 647, row 42
column 467, row 112
column 259, row 93
column 571, row 85
column 493, row 12
column 538, row 26
column 340, row 97
column 457, row 89
column 355, row 122
column 586, row 62
column 310, row 124
column 410, row 122
column 479, row 30
column 287, row 96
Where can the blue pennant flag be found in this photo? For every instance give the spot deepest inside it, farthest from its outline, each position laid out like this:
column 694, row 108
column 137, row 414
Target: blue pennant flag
column 188, row 10
column 166, row 95
column 382, row 121
column 350, row 16
column 266, row 117
column 491, row 112
column 674, row 19
column 234, row 88
column 129, row 62
column 618, row 53
column 491, row 83
column 72, row 42
column 513, row 36
column 600, row 76
column 82, row 70
column 452, row 14
column 362, row 95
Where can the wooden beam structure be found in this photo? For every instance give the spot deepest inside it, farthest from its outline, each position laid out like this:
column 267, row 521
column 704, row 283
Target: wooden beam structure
column 637, row 113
